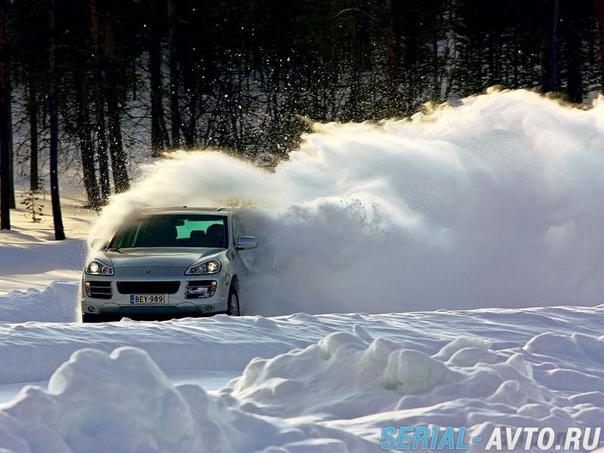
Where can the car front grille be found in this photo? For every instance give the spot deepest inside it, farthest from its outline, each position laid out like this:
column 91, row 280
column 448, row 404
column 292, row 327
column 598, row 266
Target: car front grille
column 148, row 287
column 98, row 290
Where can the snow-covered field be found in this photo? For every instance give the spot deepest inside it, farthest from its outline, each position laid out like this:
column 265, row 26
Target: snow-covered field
column 440, row 272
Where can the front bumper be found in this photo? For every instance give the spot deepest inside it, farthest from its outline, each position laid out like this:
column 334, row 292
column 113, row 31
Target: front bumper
column 109, row 298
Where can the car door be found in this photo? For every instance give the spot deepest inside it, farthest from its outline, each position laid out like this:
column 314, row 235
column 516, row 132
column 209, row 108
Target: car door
column 243, row 258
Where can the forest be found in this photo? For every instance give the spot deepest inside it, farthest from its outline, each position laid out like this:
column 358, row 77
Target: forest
column 85, row 83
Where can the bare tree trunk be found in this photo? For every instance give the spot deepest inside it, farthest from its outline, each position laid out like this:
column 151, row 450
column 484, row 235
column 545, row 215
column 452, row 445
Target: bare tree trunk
column 82, row 88
column 551, row 83
column 600, row 16
column 174, row 82
column 86, row 148
column 5, row 126
column 99, row 102
column 391, row 49
column 159, row 135
column 54, row 128
column 121, row 183
column 11, row 155
column 574, row 85
column 34, row 178
column 102, row 153
column 160, row 140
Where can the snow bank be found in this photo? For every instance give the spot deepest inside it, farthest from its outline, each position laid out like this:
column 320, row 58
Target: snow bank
column 122, row 402
column 56, row 303
column 494, row 203
column 335, row 394
column 349, row 375
column 79, row 412
column 353, row 376
column 28, row 262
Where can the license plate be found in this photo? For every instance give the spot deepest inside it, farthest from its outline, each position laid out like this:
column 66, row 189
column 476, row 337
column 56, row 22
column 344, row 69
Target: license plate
column 149, row 299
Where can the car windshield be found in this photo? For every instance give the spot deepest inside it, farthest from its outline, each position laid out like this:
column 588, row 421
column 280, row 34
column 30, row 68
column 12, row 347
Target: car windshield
column 172, row 230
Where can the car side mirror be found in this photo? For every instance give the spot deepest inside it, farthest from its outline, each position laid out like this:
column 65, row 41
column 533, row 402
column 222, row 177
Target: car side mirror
column 246, row 243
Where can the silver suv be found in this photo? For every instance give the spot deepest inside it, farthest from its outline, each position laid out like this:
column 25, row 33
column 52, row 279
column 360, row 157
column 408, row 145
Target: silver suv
column 168, row 263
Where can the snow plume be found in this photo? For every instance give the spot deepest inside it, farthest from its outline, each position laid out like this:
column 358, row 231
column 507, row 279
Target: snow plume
column 496, row 202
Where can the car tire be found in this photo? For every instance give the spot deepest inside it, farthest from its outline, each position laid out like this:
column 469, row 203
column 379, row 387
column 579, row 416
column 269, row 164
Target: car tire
column 233, row 301
column 86, row 318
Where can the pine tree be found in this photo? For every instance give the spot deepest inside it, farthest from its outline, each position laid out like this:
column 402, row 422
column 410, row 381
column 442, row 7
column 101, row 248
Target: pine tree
column 32, row 204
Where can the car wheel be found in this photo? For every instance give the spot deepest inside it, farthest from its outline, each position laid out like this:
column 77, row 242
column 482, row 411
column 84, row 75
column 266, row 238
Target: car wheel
column 233, row 307
column 86, row 318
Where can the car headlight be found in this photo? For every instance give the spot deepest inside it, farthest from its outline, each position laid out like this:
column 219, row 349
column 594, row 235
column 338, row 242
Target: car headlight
column 96, row 267
column 204, row 268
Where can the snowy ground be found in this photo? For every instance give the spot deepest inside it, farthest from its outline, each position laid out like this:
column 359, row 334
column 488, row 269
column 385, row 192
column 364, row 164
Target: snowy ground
column 439, row 272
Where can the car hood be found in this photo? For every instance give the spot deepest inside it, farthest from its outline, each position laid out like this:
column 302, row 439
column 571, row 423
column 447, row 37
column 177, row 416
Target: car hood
column 157, row 257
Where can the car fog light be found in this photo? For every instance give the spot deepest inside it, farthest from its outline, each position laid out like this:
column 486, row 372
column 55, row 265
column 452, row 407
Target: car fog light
column 201, row 289
column 91, row 309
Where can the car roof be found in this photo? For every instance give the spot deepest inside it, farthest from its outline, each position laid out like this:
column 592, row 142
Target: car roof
column 187, row 210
